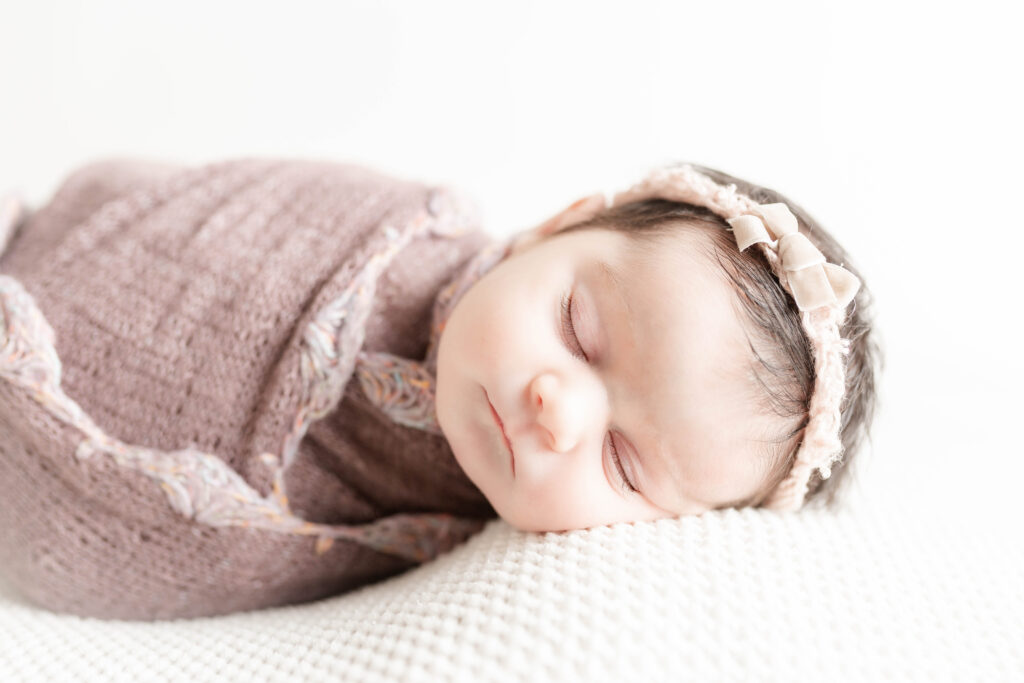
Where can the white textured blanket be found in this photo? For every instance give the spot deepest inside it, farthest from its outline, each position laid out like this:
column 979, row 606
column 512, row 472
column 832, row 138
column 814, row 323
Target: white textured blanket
column 883, row 591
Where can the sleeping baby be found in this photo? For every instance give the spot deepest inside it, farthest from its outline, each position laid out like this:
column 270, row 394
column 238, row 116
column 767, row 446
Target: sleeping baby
column 262, row 382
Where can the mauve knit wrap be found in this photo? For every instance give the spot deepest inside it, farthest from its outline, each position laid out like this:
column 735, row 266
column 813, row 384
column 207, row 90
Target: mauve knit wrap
column 178, row 297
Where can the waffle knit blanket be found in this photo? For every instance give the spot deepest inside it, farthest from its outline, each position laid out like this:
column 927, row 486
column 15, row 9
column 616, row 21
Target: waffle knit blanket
column 179, row 433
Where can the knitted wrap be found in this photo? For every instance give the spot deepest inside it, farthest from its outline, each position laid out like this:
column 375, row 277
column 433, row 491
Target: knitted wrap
column 181, row 436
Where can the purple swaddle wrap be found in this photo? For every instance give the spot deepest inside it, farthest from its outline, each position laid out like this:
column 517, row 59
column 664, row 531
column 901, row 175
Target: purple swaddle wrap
column 178, row 433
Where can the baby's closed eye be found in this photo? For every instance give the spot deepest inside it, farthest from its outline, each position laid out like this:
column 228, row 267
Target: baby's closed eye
column 569, row 328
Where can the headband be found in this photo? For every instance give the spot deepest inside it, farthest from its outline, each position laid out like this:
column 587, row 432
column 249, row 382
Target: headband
column 820, row 289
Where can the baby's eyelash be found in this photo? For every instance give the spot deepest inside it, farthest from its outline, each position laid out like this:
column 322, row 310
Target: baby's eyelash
column 627, row 485
column 569, row 330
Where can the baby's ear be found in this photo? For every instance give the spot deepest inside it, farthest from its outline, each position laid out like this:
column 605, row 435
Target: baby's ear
column 577, row 212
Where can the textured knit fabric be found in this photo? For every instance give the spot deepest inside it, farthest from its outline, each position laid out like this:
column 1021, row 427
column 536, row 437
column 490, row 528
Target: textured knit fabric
column 181, row 435
column 894, row 592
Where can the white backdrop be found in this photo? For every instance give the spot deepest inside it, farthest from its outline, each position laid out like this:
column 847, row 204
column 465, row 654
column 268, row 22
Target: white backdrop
column 896, row 124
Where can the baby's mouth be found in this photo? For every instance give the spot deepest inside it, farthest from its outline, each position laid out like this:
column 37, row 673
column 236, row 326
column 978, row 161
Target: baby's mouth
column 501, row 428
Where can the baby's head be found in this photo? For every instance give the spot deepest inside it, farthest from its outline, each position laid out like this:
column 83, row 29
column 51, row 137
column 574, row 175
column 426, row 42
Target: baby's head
column 643, row 366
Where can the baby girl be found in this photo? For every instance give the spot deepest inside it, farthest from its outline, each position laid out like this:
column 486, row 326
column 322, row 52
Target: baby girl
column 263, row 382
column 643, row 360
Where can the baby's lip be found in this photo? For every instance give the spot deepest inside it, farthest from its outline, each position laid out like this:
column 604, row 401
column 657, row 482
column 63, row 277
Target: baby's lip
column 501, row 428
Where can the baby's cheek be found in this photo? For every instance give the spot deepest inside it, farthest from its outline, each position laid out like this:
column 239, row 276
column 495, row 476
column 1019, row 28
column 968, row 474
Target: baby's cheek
column 554, row 503
column 496, row 334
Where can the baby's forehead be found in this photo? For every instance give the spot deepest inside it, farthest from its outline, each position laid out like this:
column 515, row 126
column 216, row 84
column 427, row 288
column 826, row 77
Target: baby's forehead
column 694, row 305
column 682, row 312
column 695, row 244
column 673, row 289
column 675, row 268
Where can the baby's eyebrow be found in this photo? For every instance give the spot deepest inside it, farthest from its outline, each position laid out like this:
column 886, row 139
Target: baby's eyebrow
column 615, row 281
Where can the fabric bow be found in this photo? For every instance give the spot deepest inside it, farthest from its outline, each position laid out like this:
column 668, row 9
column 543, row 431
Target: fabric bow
column 814, row 282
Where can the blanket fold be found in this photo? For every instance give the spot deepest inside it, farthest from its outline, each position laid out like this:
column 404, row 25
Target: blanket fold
column 183, row 435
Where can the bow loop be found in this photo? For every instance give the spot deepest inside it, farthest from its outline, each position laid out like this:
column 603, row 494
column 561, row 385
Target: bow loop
column 779, row 219
column 844, row 283
column 748, row 230
column 811, row 288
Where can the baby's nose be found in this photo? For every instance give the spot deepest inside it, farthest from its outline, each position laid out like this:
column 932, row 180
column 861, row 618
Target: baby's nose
column 559, row 412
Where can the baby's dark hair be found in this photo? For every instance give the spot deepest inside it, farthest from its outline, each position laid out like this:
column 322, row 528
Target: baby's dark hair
column 785, row 368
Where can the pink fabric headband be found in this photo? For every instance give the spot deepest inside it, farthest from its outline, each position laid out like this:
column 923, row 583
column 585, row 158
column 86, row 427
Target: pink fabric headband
column 821, row 290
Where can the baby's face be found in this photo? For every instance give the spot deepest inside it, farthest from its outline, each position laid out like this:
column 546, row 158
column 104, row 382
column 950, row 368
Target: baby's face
column 655, row 371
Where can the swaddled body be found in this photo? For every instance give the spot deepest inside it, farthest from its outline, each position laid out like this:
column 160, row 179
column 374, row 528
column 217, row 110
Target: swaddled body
column 681, row 348
column 186, row 306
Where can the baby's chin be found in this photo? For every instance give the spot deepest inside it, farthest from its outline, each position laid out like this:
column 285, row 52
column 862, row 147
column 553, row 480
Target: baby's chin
column 531, row 517
column 531, row 527
column 539, row 527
